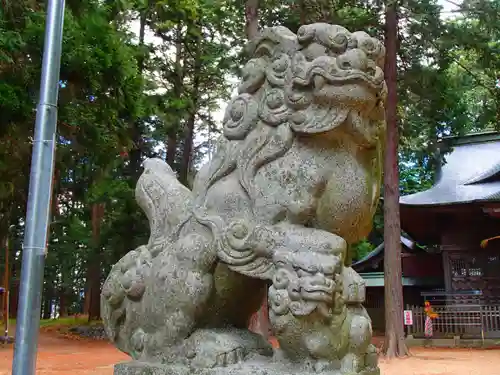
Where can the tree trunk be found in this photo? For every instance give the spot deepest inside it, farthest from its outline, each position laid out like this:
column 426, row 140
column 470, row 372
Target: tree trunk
column 94, row 273
column 47, row 303
column 56, row 184
column 178, row 81
column 136, row 151
column 4, row 241
column 394, row 345
column 94, row 266
column 142, row 33
column 63, row 303
column 302, row 12
column 86, row 297
column 51, row 293
column 171, row 149
column 14, row 298
column 251, row 18
column 187, row 151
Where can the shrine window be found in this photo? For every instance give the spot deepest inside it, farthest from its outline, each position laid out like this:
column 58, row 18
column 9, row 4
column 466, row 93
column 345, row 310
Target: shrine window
column 458, row 268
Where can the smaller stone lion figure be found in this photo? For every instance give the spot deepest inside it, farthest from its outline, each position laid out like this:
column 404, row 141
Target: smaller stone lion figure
column 317, row 316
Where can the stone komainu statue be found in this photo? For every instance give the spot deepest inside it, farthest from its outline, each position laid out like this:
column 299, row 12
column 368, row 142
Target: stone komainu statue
column 294, row 181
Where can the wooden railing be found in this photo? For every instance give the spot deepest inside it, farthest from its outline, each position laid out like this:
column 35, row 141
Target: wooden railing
column 467, row 321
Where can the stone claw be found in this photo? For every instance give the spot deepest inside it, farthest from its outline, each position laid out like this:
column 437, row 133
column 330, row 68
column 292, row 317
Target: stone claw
column 230, row 358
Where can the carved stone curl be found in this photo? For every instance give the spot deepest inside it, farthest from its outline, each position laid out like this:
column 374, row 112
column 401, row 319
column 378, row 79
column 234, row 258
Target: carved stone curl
column 294, row 181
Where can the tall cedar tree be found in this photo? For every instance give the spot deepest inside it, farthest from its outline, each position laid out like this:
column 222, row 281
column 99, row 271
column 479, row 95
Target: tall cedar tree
column 394, row 345
column 251, row 18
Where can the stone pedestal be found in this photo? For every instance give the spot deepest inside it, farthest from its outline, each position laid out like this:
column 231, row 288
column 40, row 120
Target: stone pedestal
column 247, row 368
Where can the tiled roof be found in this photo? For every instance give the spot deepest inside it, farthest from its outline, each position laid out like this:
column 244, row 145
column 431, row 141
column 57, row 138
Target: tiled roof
column 470, row 173
column 377, row 254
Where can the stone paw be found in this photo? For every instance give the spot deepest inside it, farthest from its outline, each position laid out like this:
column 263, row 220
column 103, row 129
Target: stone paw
column 220, row 348
column 352, row 364
column 371, row 357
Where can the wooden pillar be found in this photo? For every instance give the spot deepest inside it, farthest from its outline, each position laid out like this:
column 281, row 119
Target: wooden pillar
column 447, row 271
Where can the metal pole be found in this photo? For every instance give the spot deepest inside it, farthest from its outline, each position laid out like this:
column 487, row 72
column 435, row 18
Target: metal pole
column 40, row 191
column 7, row 282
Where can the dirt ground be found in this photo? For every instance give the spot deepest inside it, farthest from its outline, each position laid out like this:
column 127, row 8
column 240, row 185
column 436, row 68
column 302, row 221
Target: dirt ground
column 64, row 356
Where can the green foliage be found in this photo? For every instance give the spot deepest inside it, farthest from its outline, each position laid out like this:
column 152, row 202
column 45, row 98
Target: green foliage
column 362, row 249
column 123, row 99
column 101, row 93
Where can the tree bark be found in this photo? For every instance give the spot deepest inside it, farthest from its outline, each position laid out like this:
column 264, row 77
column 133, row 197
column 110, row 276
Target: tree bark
column 136, row 151
column 394, row 345
column 172, row 140
column 4, row 240
column 94, row 266
column 14, row 298
column 47, row 303
column 251, row 18
column 171, row 149
column 94, row 272
column 63, row 303
column 86, row 297
column 187, row 151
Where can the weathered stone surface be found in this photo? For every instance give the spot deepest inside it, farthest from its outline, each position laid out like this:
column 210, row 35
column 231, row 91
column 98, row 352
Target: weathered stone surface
column 254, row 366
column 293, row 183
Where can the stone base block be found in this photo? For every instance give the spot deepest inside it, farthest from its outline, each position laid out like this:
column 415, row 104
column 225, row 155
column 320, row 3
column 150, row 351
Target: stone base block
column 246, row 368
